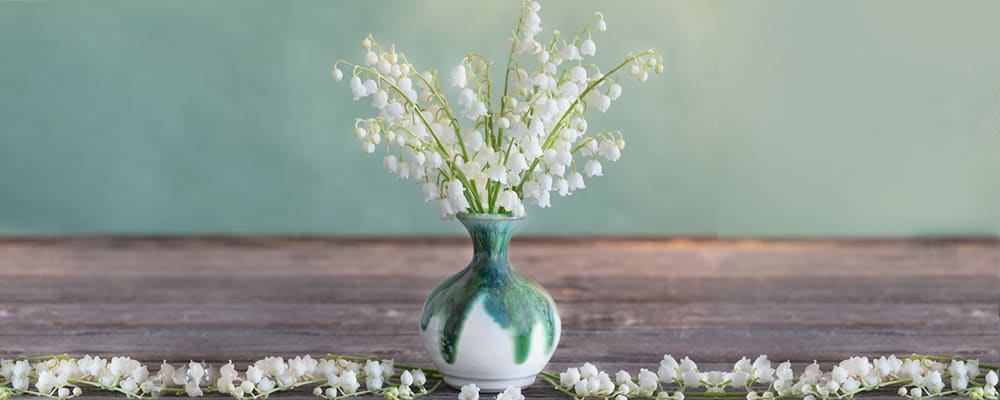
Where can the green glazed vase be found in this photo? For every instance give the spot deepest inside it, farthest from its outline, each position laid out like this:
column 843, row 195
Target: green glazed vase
column 489, row 324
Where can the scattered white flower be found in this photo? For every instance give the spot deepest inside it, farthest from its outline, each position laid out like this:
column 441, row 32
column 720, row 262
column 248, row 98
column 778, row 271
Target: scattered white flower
column 341, row 378
column 419, row 378
column 469, row 392
column 511, row 393
column 647, row 382
column 348, row 382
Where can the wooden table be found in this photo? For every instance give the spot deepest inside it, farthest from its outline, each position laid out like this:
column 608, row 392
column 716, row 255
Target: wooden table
column 624, row 302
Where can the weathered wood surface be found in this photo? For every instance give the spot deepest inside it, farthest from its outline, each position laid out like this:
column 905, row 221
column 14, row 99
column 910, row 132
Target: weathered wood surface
column 624, row 302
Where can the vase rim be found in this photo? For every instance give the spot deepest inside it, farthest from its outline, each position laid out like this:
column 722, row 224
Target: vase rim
column 487, row 217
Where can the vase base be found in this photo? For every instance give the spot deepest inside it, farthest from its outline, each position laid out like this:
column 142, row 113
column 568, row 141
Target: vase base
column 489, row 385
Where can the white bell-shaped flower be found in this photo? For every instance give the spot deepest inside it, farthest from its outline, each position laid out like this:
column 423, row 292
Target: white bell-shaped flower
column 497, row 173
column 575, row 181
column 571, row 52
column 609, row 150
column 592, row 168
column 457, row 77
column 380, row 99
column 615, row 91
column 370, row 87
column 517, row 162
column 562, row 185
column 469, row 392
column 357, row 88
column 588, row 47
column 390, row 163
column 473, row 140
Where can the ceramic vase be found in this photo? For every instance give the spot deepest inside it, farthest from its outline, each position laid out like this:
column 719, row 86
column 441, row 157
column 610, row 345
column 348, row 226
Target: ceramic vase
column 489, row 324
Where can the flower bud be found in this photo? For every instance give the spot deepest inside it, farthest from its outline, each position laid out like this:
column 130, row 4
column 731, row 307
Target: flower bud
column 512, row 102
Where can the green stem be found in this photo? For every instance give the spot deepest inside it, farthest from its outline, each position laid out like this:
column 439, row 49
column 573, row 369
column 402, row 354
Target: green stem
column 457, row 172
column 109, row 388
column 288, row 387
column 550, row 139
column 506, row 74
column 557, row 386
column 444, row 105
column 431, row 390
column 963, row 359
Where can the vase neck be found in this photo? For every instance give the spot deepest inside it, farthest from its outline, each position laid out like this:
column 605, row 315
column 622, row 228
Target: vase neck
column 490, row 239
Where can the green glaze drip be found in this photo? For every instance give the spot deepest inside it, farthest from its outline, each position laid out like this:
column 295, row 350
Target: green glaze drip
column 516, row 302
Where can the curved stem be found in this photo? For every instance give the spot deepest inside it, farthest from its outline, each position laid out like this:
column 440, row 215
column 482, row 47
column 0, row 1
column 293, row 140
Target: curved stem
column 550, row 139
column 436, row 91
column 473, row 201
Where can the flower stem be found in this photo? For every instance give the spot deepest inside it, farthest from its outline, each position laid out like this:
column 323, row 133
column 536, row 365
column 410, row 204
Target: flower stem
column 506, row 73
column 474, row 202
column 551, row 138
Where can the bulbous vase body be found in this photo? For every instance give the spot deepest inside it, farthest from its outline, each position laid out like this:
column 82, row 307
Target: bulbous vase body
column 488, row 324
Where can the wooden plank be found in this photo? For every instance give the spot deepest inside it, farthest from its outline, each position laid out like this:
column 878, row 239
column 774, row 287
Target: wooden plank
column 624, row 302
column 227, row 343
column 543, row 259
column 900, row 319
column 569, row 288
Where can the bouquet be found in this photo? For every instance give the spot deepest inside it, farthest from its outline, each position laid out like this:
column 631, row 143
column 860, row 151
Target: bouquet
column 495, row 148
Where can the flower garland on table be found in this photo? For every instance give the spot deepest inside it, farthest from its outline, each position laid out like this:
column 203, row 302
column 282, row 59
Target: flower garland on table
column 336, row 377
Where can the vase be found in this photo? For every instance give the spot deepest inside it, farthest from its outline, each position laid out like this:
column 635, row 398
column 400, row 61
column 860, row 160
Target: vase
column 489, row 324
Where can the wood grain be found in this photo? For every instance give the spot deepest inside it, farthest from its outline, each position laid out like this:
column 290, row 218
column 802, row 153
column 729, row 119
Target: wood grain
column 624, row 301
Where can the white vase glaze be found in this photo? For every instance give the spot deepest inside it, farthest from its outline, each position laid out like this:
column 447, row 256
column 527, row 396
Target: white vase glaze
column 488, row 324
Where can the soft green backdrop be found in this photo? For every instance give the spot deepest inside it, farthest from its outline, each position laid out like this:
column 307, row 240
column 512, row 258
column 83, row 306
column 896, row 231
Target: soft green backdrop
column 775, row 118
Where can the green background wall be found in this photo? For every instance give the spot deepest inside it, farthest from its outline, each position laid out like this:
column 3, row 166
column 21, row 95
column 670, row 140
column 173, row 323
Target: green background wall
column 775, row 118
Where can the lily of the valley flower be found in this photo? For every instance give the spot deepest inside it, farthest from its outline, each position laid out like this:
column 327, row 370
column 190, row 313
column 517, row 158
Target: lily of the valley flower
column 529, row 136
column 334, row 378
